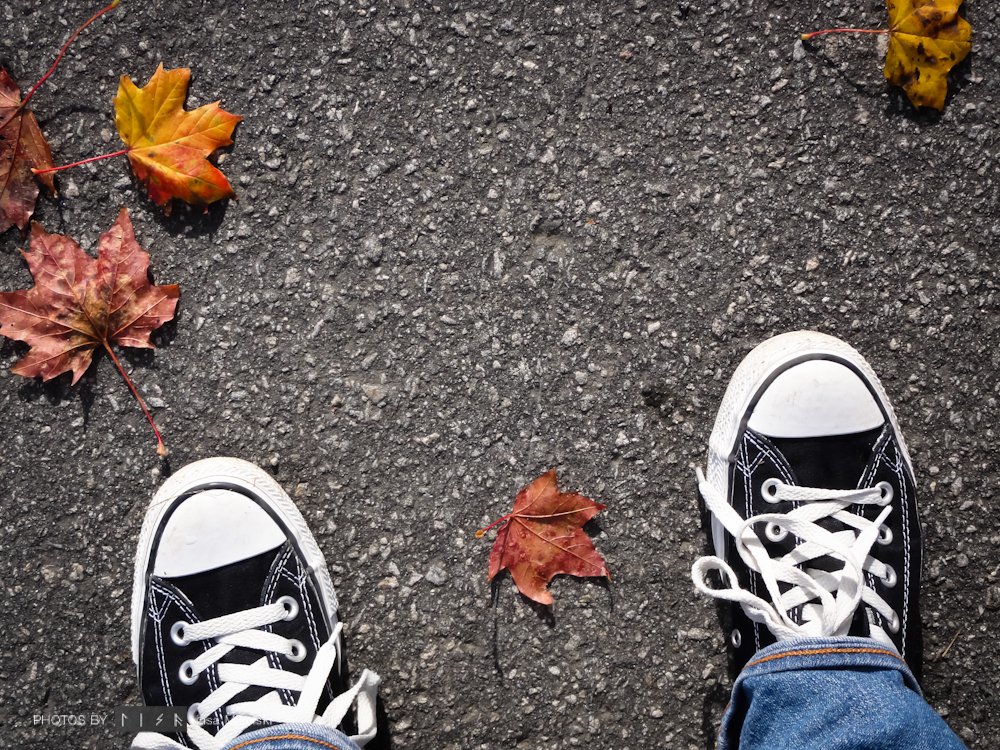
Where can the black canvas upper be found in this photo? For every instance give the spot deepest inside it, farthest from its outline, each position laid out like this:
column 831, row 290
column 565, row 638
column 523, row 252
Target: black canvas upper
column 257, row 581
column 854, row 461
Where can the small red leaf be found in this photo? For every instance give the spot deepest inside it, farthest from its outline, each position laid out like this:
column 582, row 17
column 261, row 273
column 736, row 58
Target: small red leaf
column 543, row 536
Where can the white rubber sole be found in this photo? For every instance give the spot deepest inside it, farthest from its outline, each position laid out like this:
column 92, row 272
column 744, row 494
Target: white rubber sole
column 757, row 370
column 233, row 472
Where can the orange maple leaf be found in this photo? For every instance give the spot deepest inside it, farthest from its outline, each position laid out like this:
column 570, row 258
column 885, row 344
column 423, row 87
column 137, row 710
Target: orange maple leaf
column 79, row 303
column 22, row 148
column 543, row 536
column 168, row 146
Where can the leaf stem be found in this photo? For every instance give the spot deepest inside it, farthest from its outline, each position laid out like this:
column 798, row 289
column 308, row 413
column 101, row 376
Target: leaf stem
column 482, row 532
column 812, row 34
column 78, row 163
column 65, row 47
column 161, row 449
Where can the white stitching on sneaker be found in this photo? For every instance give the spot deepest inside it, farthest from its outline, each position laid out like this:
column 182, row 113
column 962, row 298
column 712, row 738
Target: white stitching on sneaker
column 829, row 598
column 905, row 502
column 158, row 643
column 243, row 630
column 277, row 572
column 170, row 597
column 747, row 494
column 779, row 461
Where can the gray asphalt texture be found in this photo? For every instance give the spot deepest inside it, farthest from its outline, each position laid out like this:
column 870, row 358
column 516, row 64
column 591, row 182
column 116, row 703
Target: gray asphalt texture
column 475, row 241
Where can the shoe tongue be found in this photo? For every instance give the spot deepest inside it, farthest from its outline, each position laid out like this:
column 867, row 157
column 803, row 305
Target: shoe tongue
column 229, row 588
column 835, row 462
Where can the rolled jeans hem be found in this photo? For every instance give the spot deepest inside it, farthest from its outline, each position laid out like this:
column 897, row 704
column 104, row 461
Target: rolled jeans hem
column 827, row 653
column 293, row 737
column 836, row 693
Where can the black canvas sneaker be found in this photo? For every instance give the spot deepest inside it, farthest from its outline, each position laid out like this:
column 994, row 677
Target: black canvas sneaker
column 810, row 503
column 234, row 616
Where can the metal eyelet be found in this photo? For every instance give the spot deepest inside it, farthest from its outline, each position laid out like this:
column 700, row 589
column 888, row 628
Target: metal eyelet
column 187, row 674
column 774, row 532
column 884, row 534
column 889, row 579
column 291, row 607
column 194, row 714
column 894, row 623
column 736, row 638
column 177, row 633
column 886, row 491
column 769, row 491
column 298, row 651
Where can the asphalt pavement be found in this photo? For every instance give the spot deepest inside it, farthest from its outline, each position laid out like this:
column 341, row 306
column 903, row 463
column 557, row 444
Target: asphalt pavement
column 472, row 242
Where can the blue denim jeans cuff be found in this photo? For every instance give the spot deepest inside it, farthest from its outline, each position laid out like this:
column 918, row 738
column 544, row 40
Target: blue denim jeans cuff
column 833, row 693
column 293, row 737
column 847, row 652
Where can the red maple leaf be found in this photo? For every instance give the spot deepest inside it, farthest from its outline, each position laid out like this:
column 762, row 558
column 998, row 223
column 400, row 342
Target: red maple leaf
column 80, row 303
column 543, row 536
column 22, row 148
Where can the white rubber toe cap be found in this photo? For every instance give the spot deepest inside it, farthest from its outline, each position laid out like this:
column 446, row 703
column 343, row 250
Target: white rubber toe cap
column 814, row 399
column 211, row 529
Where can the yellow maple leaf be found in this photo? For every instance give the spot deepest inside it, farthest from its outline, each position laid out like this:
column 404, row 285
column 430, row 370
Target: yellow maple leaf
column 168, row 146
column 927, row 38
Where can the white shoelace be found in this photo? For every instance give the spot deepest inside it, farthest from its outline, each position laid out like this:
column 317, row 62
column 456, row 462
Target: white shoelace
column 828, row 599
column 241, row 630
